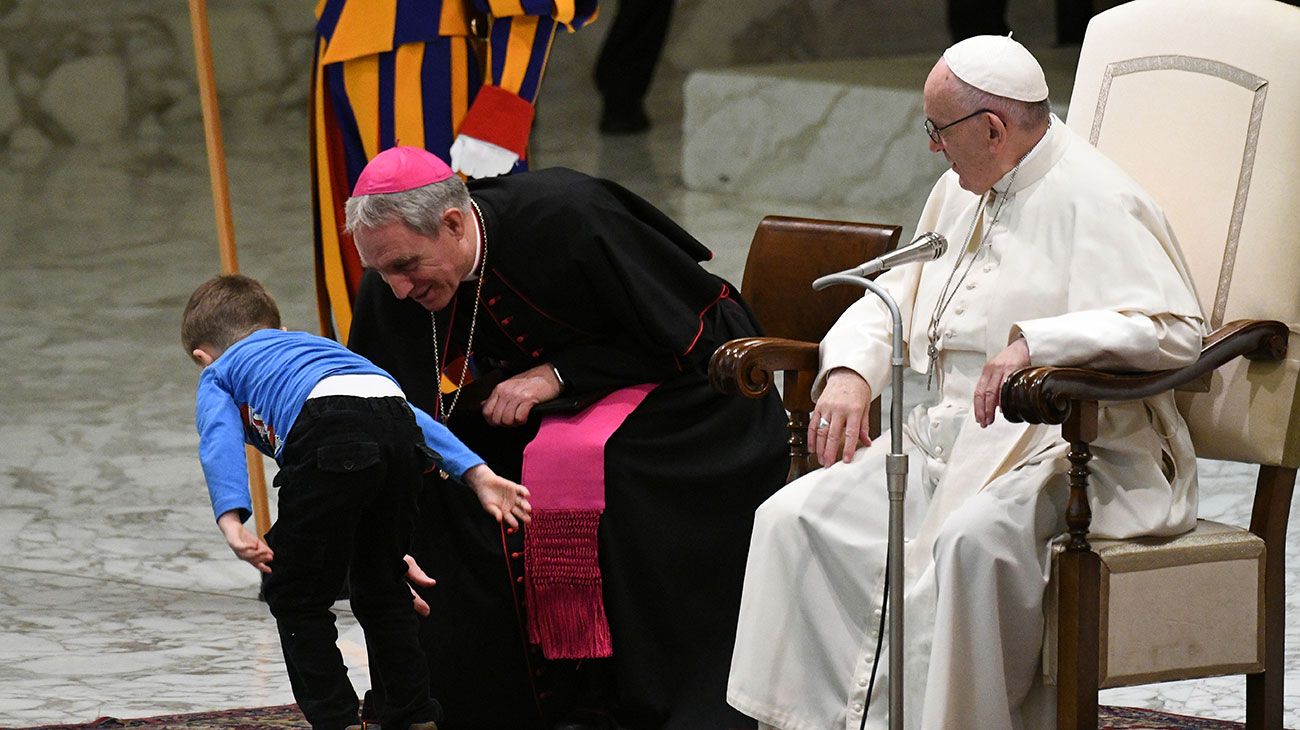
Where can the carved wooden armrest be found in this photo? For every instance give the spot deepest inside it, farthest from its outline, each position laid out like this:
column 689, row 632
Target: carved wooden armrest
column 1069, row 396
column 1047, row 394
column 746, row 366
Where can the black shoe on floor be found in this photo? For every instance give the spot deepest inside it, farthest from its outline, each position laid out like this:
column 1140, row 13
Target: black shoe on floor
column 618, row 119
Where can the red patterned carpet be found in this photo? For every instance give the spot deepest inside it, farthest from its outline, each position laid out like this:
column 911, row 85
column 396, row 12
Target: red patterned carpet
column 287, row 716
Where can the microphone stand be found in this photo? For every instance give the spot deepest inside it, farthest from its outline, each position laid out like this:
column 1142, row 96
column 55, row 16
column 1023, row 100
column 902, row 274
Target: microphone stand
column 896, row 480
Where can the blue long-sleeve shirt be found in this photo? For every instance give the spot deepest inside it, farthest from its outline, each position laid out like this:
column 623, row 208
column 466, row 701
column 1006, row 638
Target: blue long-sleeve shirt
column 253, row 393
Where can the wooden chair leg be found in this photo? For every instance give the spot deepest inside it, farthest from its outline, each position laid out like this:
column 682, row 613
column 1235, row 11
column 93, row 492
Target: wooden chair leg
column 1077, row 638
column 801, row 461
column 1079, row 572
column 1268, row 520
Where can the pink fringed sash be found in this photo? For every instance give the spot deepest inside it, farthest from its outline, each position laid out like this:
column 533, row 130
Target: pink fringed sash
column 564, row 468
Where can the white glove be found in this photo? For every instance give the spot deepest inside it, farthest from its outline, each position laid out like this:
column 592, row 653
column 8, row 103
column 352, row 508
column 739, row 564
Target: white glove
column 476, row 158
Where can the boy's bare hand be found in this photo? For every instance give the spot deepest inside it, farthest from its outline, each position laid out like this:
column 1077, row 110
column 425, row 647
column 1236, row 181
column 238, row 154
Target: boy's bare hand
column 503, row 499
column 415, row 576
column 249, row 547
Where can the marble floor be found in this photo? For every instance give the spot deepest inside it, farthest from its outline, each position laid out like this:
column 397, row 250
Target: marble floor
column 118, row 596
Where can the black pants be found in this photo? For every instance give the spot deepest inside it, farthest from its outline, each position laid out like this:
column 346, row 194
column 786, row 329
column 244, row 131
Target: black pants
column 968, row 18
column 627, row 60
column 351, row 467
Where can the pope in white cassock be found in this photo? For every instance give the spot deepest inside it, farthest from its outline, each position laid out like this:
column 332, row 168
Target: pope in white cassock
column 1056, row 257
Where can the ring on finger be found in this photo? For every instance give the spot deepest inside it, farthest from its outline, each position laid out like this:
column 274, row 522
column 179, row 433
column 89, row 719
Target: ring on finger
column 823, row 424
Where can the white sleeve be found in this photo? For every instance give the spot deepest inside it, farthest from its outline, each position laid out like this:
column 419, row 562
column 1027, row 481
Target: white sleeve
column 1108, row 340
column 862, row 338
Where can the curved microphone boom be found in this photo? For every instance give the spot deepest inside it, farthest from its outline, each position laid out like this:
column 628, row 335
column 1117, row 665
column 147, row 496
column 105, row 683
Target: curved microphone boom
column 925, row 247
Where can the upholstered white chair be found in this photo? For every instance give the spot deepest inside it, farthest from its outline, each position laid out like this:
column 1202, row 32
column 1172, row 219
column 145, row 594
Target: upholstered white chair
column 1199, row 101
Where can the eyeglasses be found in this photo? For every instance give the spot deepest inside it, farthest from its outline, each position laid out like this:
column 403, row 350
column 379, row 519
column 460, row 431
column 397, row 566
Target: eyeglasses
column 934, row 131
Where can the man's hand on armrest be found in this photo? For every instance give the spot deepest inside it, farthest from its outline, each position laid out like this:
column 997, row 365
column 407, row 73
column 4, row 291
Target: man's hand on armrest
column 843, row 408
column 988, row 392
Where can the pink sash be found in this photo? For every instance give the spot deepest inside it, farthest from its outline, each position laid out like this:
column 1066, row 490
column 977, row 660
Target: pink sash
column 564, row 468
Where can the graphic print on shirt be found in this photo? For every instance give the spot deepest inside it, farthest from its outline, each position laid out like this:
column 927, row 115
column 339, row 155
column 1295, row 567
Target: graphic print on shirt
column 258, row 432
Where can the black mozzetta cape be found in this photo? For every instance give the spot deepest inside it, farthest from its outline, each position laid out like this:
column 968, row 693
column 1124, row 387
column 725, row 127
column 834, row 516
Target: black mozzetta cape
column 582, row 274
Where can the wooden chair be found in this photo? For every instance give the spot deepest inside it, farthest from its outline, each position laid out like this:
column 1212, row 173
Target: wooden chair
column 784, row 258
column 1198, row 100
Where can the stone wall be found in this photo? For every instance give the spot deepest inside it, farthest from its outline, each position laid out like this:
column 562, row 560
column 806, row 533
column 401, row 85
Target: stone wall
column 122, row 71
column 717, row 33
column 114, row 71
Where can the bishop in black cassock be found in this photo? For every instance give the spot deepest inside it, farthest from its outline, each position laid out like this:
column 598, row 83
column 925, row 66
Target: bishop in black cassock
column 582, row 274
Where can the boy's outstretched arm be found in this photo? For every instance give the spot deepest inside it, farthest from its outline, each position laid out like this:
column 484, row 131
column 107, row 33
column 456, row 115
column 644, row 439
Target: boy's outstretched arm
column 503, row 499
column 245, row 544
column 457, row 458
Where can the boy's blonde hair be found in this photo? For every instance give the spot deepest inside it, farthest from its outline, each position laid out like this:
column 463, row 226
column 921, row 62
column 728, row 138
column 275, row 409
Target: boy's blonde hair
column 224, row 310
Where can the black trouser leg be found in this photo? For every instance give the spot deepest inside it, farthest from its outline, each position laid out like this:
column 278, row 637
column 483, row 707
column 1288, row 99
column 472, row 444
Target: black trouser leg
column 967, row 18
column 1072, row 18
column 346, row 490
column 627, row 60
column 381, row 600
column 312, row 543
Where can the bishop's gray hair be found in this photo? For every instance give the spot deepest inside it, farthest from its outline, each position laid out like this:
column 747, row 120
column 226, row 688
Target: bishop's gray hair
column 420, row 208
column 1027, row 115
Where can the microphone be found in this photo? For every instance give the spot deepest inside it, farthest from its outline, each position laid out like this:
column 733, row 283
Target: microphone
column 925, row 247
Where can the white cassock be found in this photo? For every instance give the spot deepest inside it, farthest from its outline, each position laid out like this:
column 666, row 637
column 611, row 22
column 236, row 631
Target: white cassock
column 1083, row 263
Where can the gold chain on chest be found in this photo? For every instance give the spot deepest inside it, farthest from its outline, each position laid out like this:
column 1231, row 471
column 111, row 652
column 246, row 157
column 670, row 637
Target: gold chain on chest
column 445, row 415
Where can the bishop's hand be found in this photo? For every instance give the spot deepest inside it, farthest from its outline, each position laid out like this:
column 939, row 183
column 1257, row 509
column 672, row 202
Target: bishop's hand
column 513, row 399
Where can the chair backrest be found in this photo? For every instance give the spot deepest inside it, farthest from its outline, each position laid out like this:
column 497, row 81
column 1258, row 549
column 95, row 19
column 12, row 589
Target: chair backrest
column 787, row 254
column 1199, row 101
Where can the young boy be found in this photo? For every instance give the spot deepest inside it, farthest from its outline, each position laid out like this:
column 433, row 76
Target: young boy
column 351, row 452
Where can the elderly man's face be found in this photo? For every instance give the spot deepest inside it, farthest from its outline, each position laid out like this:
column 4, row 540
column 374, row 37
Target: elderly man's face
column 967, row 145
column 415, row 266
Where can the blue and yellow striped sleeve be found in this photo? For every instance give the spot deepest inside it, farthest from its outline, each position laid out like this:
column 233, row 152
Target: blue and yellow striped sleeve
column 518, row 46
column 520, row 36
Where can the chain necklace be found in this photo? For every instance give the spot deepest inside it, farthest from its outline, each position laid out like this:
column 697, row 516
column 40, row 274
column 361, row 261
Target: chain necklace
column 951, row 287
column 445, row 415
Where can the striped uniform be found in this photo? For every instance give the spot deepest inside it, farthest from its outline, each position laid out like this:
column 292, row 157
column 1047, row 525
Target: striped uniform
column 412, row 72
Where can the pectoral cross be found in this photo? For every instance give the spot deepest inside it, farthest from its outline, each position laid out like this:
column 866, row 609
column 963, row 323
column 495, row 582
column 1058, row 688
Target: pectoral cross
column 932, row 352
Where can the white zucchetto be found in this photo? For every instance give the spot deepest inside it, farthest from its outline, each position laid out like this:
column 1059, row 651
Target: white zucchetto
column 998, row 65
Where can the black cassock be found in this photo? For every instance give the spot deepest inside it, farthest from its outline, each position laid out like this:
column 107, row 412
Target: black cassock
column 587, row 276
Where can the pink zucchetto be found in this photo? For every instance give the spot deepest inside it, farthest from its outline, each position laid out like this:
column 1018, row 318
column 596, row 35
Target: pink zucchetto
column 998, row 65
column 398, row 169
